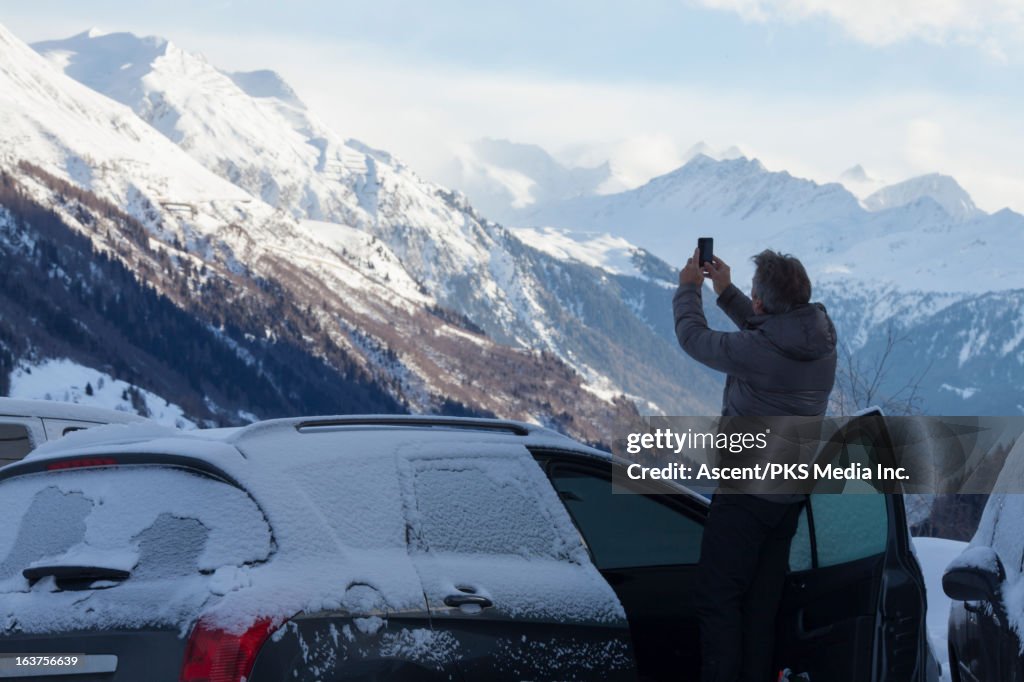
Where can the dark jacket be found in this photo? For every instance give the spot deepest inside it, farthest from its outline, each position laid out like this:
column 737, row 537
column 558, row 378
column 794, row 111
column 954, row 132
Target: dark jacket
column 777, row 365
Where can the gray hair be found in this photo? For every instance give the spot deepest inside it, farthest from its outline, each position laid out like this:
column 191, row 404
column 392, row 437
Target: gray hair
column 780, row 281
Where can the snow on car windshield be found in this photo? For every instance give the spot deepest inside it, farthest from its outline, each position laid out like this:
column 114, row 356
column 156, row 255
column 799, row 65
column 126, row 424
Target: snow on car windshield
column 175, row 533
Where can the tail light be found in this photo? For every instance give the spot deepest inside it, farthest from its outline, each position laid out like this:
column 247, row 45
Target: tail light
column 214, row 655
column 81, row 463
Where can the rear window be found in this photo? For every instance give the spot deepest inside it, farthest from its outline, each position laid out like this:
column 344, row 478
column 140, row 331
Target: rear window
column 152, row 522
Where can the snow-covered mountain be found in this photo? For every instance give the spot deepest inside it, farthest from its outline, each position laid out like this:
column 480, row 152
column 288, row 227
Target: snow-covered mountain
column 253, row 131
column 211, row 115
column 916, row 237
column 509, row 181
column 122, row 251
column 923, row 264
column 702, row 148
column 942, row 189
column 407, row 278
column 280, row 152
column 614, row 255
column 103, row 147
column 859, row 182
column 66, row 381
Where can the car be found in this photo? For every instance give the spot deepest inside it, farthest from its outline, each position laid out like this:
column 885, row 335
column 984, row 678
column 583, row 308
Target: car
column 986, row 618
column 26, row 424
column 413, row 548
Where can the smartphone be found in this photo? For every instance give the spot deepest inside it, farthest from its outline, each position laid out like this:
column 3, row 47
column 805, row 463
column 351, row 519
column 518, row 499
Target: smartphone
column 706, row 245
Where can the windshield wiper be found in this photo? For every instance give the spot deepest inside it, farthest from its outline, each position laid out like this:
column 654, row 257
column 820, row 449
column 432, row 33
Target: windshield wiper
column 64, row 572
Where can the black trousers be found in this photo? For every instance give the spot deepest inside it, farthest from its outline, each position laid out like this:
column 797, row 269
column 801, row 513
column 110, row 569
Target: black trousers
column 744, row 556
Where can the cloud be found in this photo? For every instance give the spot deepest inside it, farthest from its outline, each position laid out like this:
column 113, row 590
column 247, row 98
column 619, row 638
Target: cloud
column 422, row 112
column 993, row 26
column 924, row 146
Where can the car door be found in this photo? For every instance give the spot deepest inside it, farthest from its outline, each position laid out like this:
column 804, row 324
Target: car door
column 991, row 655
column 507, row 580
column 993, row 647
column 854, row 604
column 646, row 544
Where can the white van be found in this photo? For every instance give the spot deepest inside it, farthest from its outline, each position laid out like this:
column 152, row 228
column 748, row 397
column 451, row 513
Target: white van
column 27, row 424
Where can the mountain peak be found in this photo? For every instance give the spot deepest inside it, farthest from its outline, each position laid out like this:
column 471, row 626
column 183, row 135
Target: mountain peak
column 699, row 149
column 704, row 149
column 731, row 152
column 125, row 44
column 942, row 189
column 855, row 174
column 95, row 58
column 736, row 164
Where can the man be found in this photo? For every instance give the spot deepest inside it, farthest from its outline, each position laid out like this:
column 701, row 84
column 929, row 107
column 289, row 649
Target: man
column 781, row 362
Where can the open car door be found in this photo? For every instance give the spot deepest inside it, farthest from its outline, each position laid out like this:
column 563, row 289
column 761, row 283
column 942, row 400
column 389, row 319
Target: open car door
column 854, row 602
column 646, row 544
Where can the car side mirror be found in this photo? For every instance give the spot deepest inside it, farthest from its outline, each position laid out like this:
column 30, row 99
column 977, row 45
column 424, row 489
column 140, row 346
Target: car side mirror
column 975, row 575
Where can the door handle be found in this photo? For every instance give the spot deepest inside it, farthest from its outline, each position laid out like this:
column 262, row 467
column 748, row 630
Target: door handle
column 457, row 600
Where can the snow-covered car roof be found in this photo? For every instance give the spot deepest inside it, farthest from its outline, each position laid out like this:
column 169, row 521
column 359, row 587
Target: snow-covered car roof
column 51, row 409
column 279, row 437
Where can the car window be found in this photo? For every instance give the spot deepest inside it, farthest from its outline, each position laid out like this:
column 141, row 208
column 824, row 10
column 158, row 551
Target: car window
column 361, row 515
column 849, row 522
column 624, row 530
column 15, row 442
column 482, row 505
column 154, row 522
column 849, row 527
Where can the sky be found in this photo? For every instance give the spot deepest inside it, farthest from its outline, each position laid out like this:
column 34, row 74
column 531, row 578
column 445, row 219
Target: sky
column 902, row 87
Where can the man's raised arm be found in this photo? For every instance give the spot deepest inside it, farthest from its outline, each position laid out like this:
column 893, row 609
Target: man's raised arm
column 730, row 299
column 724, row 351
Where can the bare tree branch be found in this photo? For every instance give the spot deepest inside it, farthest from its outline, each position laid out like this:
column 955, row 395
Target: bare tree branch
column 860, row 382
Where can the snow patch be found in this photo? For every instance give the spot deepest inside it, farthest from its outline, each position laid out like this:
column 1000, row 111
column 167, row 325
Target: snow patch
column 67, row 381
column 964, row 393
column 599, row 250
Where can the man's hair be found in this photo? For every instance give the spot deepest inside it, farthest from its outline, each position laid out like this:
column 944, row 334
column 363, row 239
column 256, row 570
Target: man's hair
column 780, row 281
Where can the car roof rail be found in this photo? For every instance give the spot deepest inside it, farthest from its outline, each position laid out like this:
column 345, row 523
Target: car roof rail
column 415, row 421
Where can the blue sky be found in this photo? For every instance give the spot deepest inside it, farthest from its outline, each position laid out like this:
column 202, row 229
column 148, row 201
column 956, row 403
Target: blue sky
column 810, row 86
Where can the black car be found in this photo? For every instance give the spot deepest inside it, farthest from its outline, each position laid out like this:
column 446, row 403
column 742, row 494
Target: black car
column 987, row 613
column 411, row 548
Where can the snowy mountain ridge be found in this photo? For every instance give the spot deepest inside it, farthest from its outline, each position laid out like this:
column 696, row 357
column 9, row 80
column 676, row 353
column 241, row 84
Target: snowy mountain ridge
column 280, row 152
column 598, row 301
column 334, row 299
column 748, row 208
column 283, row 154
column 943, row 189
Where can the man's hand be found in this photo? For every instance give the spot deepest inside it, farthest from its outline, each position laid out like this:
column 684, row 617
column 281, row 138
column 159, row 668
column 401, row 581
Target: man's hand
column 691, row 272
column 720, row 274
